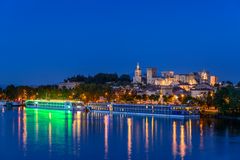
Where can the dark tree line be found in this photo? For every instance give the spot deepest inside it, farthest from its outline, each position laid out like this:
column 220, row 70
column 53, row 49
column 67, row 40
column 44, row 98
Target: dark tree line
column 84, row 92
column 227, row 99
column 101, row 78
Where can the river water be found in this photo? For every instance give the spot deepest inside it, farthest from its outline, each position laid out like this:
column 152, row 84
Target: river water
column 44, row 134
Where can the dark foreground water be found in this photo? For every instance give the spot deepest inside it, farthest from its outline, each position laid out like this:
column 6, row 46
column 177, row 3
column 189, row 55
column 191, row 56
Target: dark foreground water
column 41, row 135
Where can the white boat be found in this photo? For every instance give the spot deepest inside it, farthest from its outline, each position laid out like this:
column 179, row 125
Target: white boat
column 2, row 103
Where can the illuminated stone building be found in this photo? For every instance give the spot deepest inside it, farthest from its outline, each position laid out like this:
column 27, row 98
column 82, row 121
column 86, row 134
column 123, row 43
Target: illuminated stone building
column 138, row 75
column 213, row 80
column 204, row 77
column 151, row 75
column 186, row 78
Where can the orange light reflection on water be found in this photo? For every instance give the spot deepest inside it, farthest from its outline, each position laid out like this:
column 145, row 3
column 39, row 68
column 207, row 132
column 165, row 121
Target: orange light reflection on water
column 106, row 127
column 182, row 142
column 24, row 135
column 146, row 134
column 129, row 123
column 174, row 139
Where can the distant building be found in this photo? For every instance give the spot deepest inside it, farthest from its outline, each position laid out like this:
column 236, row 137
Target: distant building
column 213, row 80
column 167, row 74
column 204, row 77
column 185, row 86
column 164, row 81
column 138, row 75
column 186, row 78
column 169, row 78
column 68, row 85
column 166, row 90
column 201, row 90
column 151, row 92
column 151, row 75
column 197, row 93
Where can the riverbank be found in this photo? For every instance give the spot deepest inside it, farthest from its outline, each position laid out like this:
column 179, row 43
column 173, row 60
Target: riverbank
column 217, row 115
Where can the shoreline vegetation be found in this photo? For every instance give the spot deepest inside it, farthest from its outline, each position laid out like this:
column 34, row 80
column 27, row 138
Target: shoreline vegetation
column 224, row 101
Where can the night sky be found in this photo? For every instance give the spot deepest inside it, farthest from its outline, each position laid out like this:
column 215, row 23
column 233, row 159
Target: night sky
column 45, row 41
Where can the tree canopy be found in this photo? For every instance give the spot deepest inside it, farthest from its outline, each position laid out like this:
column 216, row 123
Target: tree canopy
column 227, row 99
column 101, row 78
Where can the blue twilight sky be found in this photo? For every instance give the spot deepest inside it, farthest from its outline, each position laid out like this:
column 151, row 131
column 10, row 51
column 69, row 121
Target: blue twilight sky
column 45, row 41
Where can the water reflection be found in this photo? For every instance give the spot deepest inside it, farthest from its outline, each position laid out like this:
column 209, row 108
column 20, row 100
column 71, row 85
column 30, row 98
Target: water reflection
column 24, row 135
column 50, row 136
column 129, row 144
column 77, row 126
column 19, row 125
column 174, row 139
column 106, row 127
column 2, row 109
column 201, row 135
column 63, row 135
column 146, row 135
column 182, row 142
column 190, row 133
column 36, row 124
column 152, row 130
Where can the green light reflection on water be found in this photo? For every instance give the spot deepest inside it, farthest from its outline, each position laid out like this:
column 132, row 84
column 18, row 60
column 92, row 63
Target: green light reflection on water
column 46, row 127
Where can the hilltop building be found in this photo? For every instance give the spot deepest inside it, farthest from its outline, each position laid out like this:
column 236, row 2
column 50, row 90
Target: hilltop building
column 138, row 75
column 68, row 85
column 167, row 74
column 186, row 78
column 213, row 80
column 195, row 83
column 151, row 75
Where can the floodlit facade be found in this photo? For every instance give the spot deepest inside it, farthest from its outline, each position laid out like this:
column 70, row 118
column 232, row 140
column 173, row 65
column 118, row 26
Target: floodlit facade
column 167, row 74
column 186, row 78
column 151, row 75
column 213, row 80
column 195, row 84
column 137, row 75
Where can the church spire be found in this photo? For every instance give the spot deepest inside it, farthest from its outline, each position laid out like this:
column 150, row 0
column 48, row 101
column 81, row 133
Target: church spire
column 138, row 65
column 138, row 75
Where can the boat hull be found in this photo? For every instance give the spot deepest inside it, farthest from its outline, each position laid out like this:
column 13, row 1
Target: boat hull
column 148, row 110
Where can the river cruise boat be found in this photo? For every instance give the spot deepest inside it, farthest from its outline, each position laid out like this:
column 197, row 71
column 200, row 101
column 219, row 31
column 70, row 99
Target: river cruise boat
column 56, row 105
column 156, row 110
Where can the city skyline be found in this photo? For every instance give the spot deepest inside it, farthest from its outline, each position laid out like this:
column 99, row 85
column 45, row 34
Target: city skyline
column 119, row 79
column 131, row 73
column 43, row 42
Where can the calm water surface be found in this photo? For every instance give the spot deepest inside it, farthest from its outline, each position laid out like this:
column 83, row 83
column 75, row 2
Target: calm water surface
column 43, row 134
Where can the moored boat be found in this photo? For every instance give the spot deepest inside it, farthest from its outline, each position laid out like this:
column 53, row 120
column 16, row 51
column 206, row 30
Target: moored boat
column 56, row 105
column 13, row 104
column 156, row 110
column 2, row 103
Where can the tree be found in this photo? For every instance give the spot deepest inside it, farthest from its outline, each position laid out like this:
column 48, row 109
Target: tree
column 102, row 78
column 2, row 94
column 10, row 92
column 238, row 84
column 125, row 78
column 169, row 99
column 154, row 97
column 227, row 99
column 228, row 83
